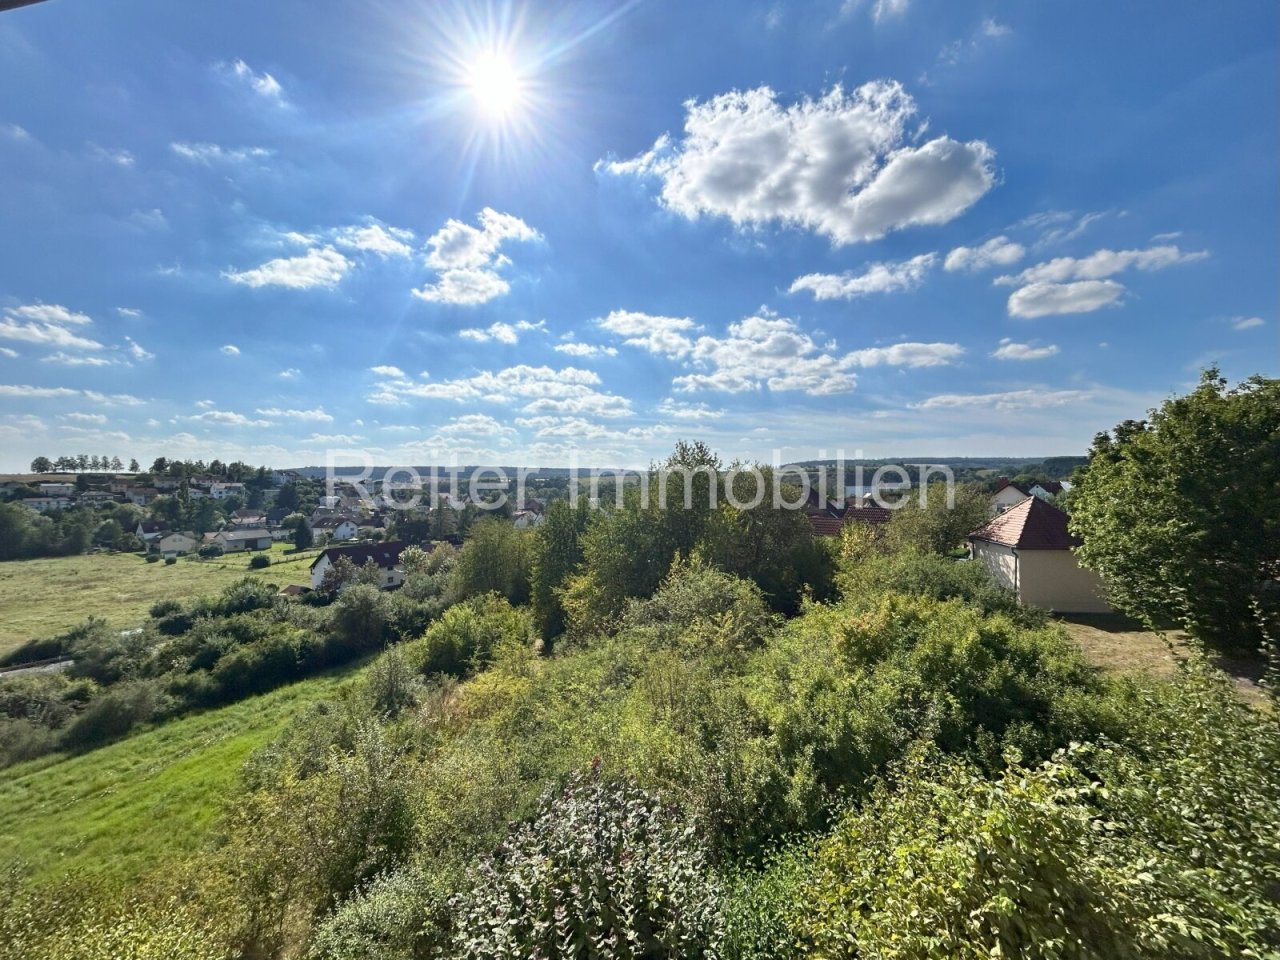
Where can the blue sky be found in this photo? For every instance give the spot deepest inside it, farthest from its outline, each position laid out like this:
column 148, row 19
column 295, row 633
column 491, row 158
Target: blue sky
column 498, row 233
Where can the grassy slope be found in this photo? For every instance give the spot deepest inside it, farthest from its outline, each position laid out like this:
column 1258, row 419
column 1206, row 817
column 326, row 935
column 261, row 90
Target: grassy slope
column 39, row 598
column 127, row 807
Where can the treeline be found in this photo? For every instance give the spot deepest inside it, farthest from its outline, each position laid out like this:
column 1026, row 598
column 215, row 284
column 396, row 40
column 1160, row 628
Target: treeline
column 81, row 463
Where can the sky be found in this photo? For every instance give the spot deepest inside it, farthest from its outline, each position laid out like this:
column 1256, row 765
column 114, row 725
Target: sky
column 458, row 232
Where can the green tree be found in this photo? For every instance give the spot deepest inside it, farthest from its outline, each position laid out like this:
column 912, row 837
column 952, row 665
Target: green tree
column 555, row 552
column 1180, row 513
column 494, row 560
column 940, row 524
column 302, row 535
column 41, row 465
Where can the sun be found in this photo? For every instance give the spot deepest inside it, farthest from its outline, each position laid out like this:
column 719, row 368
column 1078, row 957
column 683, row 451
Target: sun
column 495, row 85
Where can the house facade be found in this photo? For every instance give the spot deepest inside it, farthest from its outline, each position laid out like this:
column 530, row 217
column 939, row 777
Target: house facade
column 385, row 555
column 1029, row 550
column 240, row 541
column 336, row 528
column 172, row 544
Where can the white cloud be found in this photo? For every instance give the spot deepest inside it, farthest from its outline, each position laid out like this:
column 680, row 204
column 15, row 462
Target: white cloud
column 15, row 132
column 46, row 325
column 7, row 352
column 1166, row 237
column 576, row 349
column 113, row 399
column 877, row 278
column 1102, row 264
column 317, row 415
column 1008, row 350
column 129, row 313
column 840, row 165
column 998, row 251
column 339, row 439
column 121, row 158
column 375, row 238
column 137, row 351
column 907, row 355
column 541, row 390
column 43, row 393
column 885, row 9
column 49, row 313
column 320, row 267
column 580, row 429
column 388, row 371
column 501, row 332
column 467, row 259
column 667, row 336
column 263, row 84
column 990, row 28
column 688, row 411
column 292, row 373
column 1048, row 299
column 231, row 350
column 86, row 417
column 210, row 153
column 1247, row 323
column 1059, row 226
column 76, row 360
column 1009, row 400
column 227, row 418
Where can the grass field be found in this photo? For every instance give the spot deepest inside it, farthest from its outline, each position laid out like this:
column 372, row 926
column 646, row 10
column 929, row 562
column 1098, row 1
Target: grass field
column 39, row 598
column 125, row 808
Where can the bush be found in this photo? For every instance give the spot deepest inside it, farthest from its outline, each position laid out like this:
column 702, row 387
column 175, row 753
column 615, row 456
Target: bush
column 169, row 561
column 469, row 633
column 604, row 869
column 210, row 551
column 397, row 916
column 114, row 713
column 259, row 561
column 164, row 608
column 359, row 620
column 153, row 558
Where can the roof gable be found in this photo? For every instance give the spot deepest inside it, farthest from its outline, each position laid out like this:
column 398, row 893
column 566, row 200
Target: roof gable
column 385, row 555
column 1033, row 524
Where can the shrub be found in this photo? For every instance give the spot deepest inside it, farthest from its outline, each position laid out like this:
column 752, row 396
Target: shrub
column 603, row 869
column 164, row 608
column 469, row 633
column 153, row 558
column 259, row 561
column 359, row 620
column 169, row 561
column 396, row 916
column 114, row 713
column 210, row 551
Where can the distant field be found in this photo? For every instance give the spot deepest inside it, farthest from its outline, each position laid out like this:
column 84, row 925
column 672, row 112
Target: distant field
column 39, row 598
column 125, row 808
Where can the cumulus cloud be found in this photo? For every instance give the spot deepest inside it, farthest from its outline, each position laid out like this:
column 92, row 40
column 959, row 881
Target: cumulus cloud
column 536, row 390
column 1009, row 350
column 376, row 238
column 764, row 350
column 210, row 154
column 467, row 258
column 292, row 373
column 667, row 336
column 319, row 267
column 1246, row 323
column 1009, row 400
column 501, row 332
column 41, row 393
column 121, row 158
column 227, row 418
column 877, row 278
column 575, row 349
column 907, row 355
column 998, row 251
column 231, row 350
column 1048, row 299
column 47, row 325
column 688, row 411
column 840, row 165
column 8, row 352
column 1102, row 264
column 317, row 415
column 86, row 417
column 386, row 370
column 138, row 351
column 77, row 360
column 129, row 313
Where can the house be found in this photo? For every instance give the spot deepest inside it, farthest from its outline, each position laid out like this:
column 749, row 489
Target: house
column 168, row 484
column 275, row 516
column 1007, row 494
column 46, row 504
column 172, row 544
column 1029, row 550
column 249, row 518
column 142, row 496
column 336, row 528
column 221, row 491
column 526, row 519
column 56, row 489
column 1050, row 489
column 97, row 496
column 238, row 541
column 148, row 530
column 385, row 555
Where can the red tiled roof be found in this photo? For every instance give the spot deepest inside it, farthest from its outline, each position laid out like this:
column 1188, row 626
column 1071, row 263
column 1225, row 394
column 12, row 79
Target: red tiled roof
column 1033, row 524
column 825, row 526
column 871, row 513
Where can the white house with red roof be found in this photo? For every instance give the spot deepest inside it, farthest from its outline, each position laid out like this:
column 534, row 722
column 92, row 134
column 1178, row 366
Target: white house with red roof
column 1029, row 549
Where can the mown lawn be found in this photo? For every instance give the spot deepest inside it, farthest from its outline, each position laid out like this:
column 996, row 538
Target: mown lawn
column 126, row 808
column 40, row 598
